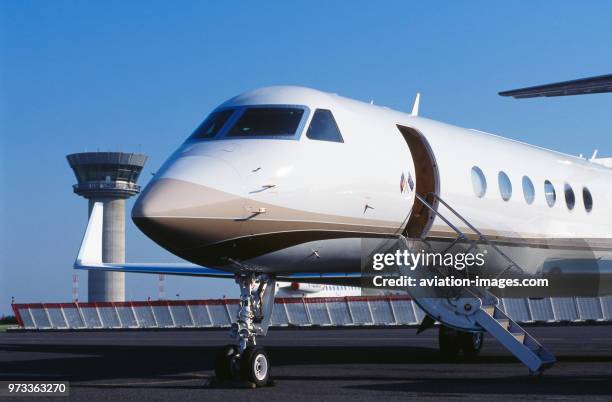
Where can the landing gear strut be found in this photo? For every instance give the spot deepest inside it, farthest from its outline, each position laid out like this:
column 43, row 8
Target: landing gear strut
column 244, row 360
column 451, row 341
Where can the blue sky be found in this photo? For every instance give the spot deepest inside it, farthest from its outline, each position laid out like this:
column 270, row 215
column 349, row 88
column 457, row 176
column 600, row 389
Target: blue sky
column 140, row 76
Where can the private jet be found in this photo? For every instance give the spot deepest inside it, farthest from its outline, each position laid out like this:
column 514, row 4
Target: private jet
column 286, row 183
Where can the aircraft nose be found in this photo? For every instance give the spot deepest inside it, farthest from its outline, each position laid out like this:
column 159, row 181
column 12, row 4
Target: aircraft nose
column 195, row 202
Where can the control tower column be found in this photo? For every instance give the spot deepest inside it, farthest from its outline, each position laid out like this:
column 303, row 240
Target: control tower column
column 109, row 178
column 109, row 286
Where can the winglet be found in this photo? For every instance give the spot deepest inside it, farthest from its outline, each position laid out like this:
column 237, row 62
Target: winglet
column 415, row 105
column 91, row 246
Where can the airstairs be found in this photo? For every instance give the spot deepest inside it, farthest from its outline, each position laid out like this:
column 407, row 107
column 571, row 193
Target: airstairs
column 518, row 341
column 472, row 308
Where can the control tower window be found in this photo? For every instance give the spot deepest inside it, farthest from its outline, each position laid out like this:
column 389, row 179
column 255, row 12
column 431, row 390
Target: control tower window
column 267, row 122
column 212, row 125
column 323, row 127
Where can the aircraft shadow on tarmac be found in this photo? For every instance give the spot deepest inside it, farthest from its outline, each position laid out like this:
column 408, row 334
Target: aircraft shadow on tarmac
column 95, row 362
column 85, row 362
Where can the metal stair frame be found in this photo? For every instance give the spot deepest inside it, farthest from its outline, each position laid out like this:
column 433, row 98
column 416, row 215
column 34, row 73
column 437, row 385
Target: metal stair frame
column 528, row 350
column 489, row 316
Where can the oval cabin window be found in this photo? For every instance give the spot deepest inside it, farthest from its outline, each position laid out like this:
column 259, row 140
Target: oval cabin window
column 549, row 193
column 479, row 183
column 505, row 186
column 570, row 198
column 528, row 190
column 587, row 199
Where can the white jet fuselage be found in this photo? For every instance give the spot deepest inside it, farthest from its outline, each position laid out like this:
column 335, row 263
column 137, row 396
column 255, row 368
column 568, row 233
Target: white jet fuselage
column 283, row 204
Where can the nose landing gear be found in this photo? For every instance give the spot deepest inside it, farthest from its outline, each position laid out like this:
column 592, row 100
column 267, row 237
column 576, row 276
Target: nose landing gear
column 244, row 360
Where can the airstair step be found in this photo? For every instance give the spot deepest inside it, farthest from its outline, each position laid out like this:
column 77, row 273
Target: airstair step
column 505, row 323
column 519, row 336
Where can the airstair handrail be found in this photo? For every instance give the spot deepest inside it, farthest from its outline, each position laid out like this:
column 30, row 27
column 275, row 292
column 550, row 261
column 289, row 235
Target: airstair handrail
column 481, row 236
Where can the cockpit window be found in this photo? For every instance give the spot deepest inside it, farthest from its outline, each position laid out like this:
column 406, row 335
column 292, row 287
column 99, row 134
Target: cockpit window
column 323, row 127
column 212, row 125
column 267, row 121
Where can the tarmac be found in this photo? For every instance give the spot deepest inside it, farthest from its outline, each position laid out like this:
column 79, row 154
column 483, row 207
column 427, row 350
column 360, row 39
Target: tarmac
column 308, row 364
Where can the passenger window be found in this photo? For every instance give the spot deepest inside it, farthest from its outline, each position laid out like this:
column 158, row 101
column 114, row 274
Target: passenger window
column 570, row 198
column 212, row 125
column 587, row 199
column 549, row 193
column 528, row 190
column 505, row 186
column 323, row 127
column 479, row 183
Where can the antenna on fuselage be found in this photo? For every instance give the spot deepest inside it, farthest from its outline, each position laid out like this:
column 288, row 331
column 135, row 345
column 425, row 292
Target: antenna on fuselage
column 594, row 155
column 415, row 105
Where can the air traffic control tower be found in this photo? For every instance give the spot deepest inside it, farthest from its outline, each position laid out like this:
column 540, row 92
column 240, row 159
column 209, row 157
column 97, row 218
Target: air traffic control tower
column 110, row 178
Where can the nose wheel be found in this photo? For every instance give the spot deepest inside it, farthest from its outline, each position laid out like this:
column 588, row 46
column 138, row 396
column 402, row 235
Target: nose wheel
column 255, row 366
column 251, row 366
column 244, row 360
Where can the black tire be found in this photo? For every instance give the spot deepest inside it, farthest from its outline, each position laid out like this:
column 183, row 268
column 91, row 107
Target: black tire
column 223, row 362
column 255, row 366
column 471, row 343
column 448, row 342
